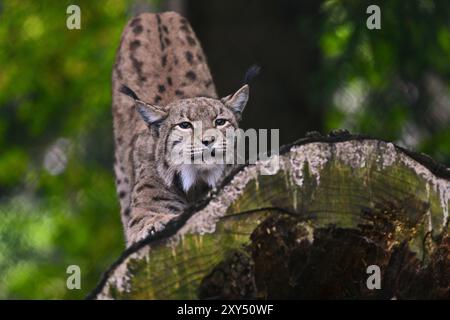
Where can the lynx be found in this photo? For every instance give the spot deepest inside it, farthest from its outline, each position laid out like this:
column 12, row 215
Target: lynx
column 163, row 90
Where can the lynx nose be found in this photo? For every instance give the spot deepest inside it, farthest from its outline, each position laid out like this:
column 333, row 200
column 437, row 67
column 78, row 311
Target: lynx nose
column 208, row 140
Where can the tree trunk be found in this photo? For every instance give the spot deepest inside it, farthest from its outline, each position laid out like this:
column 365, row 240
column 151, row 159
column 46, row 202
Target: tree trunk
column 335, row 206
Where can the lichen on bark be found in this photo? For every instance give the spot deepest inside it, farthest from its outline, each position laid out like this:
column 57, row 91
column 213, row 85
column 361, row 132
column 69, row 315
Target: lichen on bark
column 332, row 207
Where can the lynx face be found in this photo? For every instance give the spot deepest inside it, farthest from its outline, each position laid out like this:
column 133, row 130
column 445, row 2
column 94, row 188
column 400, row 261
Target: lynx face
column 193, row 135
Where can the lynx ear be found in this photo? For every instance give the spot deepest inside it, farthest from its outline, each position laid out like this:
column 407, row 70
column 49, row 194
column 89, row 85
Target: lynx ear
column 237, row 101
column 151, row 114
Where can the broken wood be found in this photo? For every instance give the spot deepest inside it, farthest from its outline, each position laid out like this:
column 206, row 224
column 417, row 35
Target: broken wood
column 335, row 206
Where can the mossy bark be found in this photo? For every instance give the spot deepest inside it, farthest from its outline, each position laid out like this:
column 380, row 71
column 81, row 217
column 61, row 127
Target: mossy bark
column 334, row 206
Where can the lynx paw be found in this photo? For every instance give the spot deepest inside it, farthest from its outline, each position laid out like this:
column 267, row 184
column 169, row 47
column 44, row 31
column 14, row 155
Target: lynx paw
column 143, row 225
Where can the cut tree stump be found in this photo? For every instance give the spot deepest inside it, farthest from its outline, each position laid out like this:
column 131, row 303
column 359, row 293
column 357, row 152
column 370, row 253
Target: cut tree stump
column 335, row 206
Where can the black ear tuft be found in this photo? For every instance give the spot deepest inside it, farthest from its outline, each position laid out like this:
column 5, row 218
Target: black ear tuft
column 125, row 90
column 251, row 72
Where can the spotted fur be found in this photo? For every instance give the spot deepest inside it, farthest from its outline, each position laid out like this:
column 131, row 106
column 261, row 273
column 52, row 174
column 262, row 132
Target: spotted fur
column 161, row 79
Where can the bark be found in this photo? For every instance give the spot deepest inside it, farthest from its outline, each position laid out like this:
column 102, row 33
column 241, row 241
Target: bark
column 335, row 206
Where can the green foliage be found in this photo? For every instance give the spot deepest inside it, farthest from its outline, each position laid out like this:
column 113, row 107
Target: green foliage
column 391, row 83
column 55, row 83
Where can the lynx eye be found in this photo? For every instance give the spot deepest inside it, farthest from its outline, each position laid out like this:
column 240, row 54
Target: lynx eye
column 220, row 122
column 185, row 125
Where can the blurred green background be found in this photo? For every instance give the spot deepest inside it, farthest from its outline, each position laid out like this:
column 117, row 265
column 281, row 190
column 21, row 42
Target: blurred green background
column 322, row 69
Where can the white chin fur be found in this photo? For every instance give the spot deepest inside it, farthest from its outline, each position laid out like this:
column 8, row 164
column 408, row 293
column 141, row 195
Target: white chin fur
column 192, row 174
